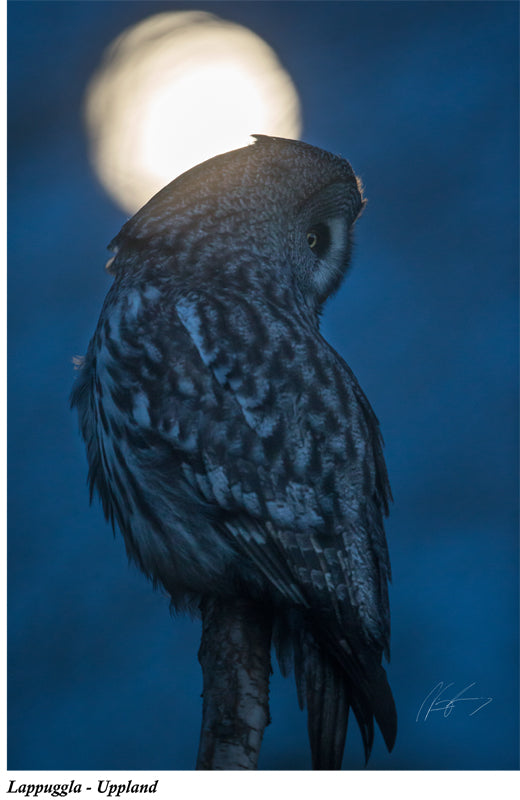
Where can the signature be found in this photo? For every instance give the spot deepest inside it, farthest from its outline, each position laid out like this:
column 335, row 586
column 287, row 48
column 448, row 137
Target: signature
column 438, row 700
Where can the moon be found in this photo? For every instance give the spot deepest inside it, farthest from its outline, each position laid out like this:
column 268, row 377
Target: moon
column 175, row 90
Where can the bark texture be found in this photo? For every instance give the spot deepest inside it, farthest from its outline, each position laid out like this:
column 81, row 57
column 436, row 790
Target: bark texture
column 235, row 659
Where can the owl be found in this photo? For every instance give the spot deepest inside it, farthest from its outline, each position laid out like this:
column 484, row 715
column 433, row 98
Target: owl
column 230, row 444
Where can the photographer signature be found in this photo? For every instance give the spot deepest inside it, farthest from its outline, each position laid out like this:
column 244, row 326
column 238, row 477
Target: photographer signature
column 438, row 700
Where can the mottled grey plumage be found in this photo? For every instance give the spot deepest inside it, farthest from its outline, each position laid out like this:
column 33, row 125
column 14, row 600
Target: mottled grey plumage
column 229, row 442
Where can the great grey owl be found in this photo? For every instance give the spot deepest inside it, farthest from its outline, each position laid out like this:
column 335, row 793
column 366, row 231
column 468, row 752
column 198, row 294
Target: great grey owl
column 231, row 445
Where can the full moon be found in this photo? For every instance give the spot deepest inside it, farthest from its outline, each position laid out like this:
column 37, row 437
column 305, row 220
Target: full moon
column 175, row 90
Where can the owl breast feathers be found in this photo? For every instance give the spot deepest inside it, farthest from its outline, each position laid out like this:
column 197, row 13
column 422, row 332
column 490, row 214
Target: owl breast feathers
column 231, row 445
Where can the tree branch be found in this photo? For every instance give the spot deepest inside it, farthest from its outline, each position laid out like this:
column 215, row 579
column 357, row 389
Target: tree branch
column 235, row 659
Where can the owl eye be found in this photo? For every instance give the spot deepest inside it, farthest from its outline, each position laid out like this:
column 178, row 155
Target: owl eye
column 312, row 239
column 318, row 239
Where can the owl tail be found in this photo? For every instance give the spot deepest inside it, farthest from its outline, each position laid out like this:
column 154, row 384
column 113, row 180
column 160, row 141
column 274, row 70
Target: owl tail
column 330, row 693
column 326, row 698
column 329, row 684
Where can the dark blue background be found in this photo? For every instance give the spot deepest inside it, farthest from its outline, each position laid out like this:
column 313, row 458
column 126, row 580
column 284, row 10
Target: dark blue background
column 422, row 98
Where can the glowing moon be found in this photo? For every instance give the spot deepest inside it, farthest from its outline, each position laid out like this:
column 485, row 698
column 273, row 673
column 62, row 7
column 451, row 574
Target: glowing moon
column 176, row 89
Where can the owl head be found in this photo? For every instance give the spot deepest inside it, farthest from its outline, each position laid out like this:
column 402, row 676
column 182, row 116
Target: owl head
column 284, row 208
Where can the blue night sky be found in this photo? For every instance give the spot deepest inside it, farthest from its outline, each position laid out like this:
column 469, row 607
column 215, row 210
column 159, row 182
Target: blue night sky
column 422, row 98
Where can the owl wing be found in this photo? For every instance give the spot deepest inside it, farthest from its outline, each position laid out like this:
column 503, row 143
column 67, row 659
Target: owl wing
column 301, row 456
column 297, row 465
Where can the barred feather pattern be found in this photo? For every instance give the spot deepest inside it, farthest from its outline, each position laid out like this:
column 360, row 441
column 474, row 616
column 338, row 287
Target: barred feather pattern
column 229, row 443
